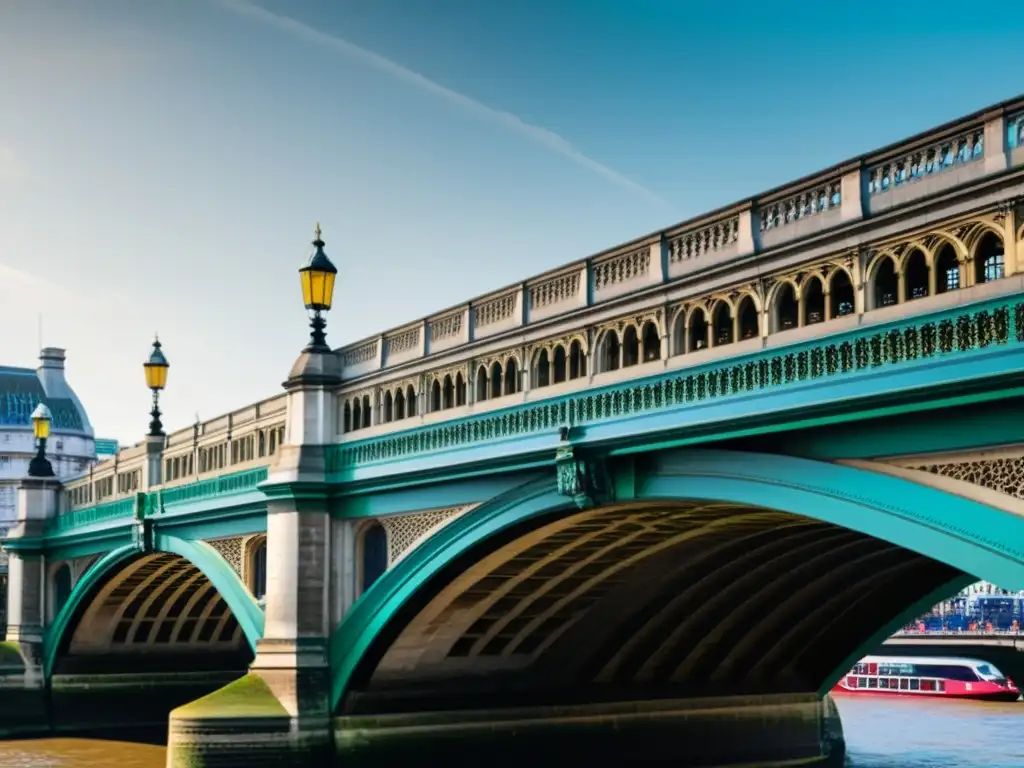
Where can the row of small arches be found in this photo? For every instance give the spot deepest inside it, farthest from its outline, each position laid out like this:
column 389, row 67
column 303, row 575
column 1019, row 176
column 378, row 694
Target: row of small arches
column 815, row 299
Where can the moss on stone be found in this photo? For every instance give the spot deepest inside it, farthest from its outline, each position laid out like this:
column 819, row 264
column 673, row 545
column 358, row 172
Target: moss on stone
column 247, row 696
column 10, row 655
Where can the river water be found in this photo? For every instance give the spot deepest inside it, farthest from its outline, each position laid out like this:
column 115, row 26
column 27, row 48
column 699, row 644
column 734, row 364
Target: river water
column 880, row 733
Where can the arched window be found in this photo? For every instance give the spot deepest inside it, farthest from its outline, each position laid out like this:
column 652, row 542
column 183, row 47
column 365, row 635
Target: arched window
column 435, row 396
column 388, row 407
column 785, row 308
column 947, row 269
column 481, row 384
column 577, row 360
column 915, row 276
column 374, row 554
column 496, row 380
column 460, row 389
column 630, row 347
column 841, row 294
column 748, row 324
column 543, row 369
column 511, row 377
column 698, row 330
column 813, row 301
column 399, row 405
column 259, row 570
column 721, row 320
column 367, row 411
column 61, row 587
column 886, row 284
column 558, row 364
column 651, row 342
column 610, row 351
column 357, row 414
column 448, row 393
column 988, row 259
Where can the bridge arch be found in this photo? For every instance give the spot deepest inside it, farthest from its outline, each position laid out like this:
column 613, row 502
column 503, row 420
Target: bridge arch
column 128, row 587
column 866, row 551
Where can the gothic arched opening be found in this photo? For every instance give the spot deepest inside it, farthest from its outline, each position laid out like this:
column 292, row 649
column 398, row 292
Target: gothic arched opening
column 915, row 276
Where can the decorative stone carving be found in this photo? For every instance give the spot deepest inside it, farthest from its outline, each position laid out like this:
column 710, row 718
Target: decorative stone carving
column 405, row 532
column 809, row 202
column 401, row 342
column 495, row 310
column 621, row 269
column 706, row 240
column 231, row 550
column 555, row 291
column 361, row 354
column 959, row 331
column 582, row 481
column 446, row 327
column 925, row 162
column 1005, row 475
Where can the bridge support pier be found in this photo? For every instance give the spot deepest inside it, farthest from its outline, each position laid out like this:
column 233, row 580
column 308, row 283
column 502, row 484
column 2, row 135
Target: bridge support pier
column 280, row 714
column 22, row 677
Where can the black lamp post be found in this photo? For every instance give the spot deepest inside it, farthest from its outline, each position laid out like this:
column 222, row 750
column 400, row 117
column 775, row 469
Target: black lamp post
column 40, row 466
column 156, row 379
column 317, row 291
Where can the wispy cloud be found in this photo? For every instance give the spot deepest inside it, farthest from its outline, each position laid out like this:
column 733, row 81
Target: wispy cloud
column 510, row 122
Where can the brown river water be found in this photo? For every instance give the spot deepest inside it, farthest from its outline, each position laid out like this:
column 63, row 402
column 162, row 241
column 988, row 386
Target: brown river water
column 880, row 733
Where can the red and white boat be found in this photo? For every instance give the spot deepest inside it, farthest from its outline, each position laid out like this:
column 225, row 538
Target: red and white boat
column 952, row 677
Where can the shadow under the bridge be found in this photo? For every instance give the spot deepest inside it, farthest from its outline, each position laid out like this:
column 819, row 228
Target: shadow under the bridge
column 676, row 613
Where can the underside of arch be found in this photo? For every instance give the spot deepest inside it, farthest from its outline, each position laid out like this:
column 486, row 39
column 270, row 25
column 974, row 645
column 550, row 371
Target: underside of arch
column 152, row 612
column 724, row 574
column 649, row 600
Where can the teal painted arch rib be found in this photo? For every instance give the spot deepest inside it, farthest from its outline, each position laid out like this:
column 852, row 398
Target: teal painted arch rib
column 84, row 587
column 224, row 579
column 381, row 602
column 959, row 532
column 204, row 557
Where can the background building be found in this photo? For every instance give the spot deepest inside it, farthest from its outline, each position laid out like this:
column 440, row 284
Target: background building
column 71, row 448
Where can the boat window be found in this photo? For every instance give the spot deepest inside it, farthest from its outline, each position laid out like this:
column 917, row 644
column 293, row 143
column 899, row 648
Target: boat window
column 915, row 684
column 927, row 685
column 872, row 682
column 940, row 685
column 947, row 671
column 895, row 669
column 883, row 682
column 862, row 682
column 894, row 683
column 904, row 684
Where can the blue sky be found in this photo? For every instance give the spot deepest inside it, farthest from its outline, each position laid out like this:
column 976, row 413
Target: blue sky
column 162, row 164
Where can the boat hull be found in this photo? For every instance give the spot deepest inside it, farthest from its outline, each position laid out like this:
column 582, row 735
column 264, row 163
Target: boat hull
column 996, row 695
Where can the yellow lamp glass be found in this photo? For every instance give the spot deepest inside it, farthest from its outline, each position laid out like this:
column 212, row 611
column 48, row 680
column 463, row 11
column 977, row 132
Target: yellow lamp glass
column 317, row 288
column 156, row 375
column 41, row 428
column 41, row 422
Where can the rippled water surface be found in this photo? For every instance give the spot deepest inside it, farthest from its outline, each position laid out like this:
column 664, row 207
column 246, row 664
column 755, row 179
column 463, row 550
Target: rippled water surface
column 880, row 733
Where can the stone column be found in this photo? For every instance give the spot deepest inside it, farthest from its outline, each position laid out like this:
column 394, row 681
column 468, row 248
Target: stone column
column 154, row 458
column 292, row 655
column 38, row 503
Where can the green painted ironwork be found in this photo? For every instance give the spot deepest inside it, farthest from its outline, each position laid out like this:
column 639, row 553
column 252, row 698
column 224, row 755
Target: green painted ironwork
column 957, row 331
column 236, row 482
column 965, row 534
column 101, row 513
column 145, row 505
column 210, row 563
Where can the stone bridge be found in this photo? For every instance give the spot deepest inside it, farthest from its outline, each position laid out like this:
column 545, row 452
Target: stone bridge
column 661, row 498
